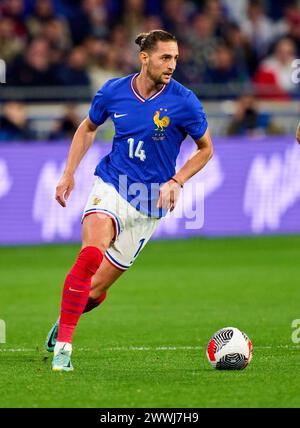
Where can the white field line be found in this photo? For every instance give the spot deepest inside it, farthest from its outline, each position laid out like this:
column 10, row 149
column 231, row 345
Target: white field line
column 148, row 348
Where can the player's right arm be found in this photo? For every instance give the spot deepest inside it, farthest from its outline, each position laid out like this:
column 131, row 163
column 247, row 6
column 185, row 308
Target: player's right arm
column 298, row 134
column 82, row 141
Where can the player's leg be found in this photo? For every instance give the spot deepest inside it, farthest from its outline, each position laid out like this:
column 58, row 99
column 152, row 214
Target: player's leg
column 98, row 233
column 105, row 276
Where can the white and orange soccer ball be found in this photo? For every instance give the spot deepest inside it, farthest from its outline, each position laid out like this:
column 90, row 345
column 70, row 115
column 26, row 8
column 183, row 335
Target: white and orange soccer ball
column 229, row 349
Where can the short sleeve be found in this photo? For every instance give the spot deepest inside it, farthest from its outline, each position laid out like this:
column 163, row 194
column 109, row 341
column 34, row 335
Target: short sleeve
column 98, row 111
column 195, row 123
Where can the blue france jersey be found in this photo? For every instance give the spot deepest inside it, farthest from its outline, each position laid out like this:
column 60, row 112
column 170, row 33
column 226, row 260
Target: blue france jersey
column 148, row 135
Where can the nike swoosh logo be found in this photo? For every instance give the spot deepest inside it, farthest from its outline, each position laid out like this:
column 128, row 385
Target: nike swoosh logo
column 78, row 291
column 119, row 115
column 51, row 342
column 52, row 339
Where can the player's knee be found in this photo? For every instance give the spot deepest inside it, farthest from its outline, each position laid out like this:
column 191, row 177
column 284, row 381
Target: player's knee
column 101, row 245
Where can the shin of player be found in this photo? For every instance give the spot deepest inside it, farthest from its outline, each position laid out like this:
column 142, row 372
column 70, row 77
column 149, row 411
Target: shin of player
column 76, row 292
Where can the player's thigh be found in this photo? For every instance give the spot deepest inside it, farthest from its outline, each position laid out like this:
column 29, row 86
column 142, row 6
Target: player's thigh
column 131, row 241
column 98, row 231
column 105, row 276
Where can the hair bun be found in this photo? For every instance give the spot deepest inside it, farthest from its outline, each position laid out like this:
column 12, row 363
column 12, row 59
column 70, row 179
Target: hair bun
column 141, row 38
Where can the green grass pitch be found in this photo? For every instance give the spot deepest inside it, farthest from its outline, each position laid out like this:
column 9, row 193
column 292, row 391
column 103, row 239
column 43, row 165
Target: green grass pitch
column 145, row 347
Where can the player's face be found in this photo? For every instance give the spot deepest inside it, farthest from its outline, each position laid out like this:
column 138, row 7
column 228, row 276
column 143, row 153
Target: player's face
column 161, row 62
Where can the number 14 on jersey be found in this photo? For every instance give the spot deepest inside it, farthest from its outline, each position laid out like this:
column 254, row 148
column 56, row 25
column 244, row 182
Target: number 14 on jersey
column 138, row 152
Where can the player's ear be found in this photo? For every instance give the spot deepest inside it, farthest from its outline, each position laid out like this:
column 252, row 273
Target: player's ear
column 144, row 57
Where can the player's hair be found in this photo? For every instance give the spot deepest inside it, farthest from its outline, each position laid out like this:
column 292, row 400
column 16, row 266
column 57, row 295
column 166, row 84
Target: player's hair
column 148, row 41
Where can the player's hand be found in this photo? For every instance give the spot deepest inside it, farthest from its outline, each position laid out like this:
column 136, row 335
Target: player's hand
column 168, row 195
column 64, row 188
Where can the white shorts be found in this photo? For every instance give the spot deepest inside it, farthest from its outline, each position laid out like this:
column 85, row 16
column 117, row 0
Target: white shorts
column 133, row 229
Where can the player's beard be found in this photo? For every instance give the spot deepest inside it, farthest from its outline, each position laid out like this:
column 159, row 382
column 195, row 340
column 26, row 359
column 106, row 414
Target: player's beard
column 157, row 79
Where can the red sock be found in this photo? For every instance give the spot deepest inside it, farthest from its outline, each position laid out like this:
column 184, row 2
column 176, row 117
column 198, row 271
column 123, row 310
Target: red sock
column 93, row 303
column 76, row 291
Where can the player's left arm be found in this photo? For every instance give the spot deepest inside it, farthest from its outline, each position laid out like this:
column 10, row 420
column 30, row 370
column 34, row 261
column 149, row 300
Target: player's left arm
column 169, row 192
column 197, row 161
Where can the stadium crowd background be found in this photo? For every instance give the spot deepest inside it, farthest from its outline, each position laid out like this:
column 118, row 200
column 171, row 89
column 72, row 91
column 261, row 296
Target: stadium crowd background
column 58, row 53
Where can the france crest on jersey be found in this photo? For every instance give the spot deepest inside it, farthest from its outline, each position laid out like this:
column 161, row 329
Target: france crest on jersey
column 148, row 135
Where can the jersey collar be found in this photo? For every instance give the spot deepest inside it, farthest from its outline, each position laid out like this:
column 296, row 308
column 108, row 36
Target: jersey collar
column 138, row 96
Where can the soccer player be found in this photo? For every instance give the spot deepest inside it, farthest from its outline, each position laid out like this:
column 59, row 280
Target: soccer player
column 136, row 184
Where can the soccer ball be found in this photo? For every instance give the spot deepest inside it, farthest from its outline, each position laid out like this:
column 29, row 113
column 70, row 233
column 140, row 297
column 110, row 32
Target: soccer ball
column 229, row 349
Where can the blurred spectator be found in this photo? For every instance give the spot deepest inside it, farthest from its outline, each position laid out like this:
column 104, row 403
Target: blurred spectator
column 55, row 29
column 105, row 59
column 65, row 127
column 133, row 17
column 42, row 13
column 33, row 68
column 127, row 53
column 289, row 25
column 273, row 77
column 10, row 44
column 202, row 40
column 91, row 20
column 56, row 32
column 248, row 120
column 215, row 11
column 176, row 16
column 74, row 72
column 187, row 71
column 106, row 68
column 96, row 50
column 14, row 9
column 224, row 71
column 14, row 124
column 236, row 10
column 152, row 22
column 243, row 52
column 258, row 27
